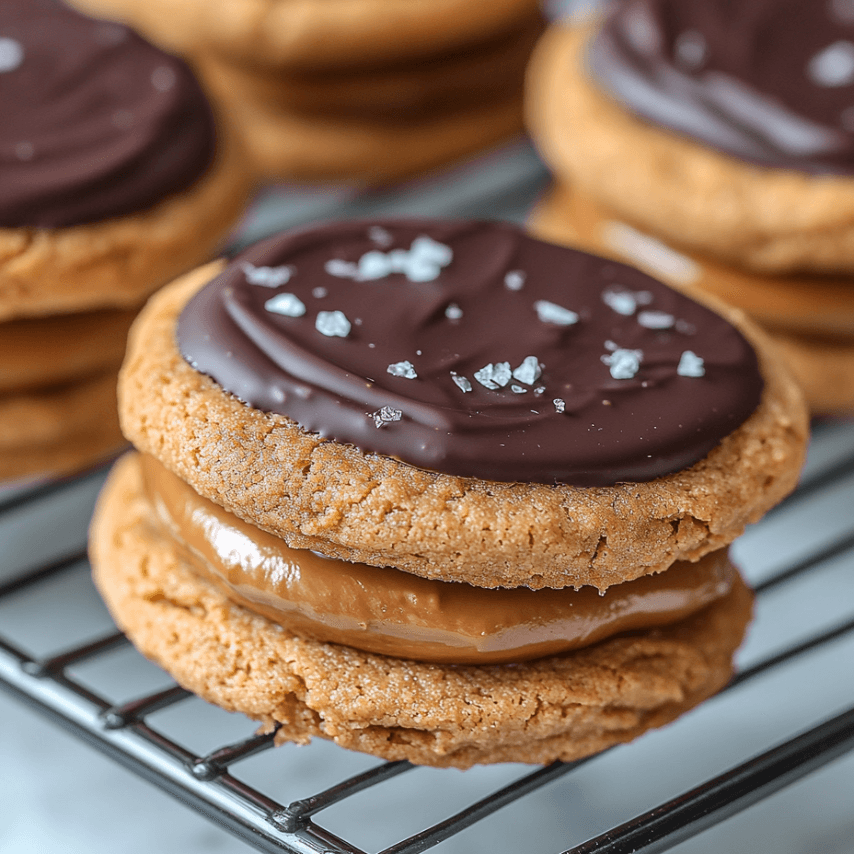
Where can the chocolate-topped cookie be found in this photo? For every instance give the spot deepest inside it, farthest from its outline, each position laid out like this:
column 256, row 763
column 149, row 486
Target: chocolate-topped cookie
column 366, row 92
column 111, row 184
column 382, row 441
column 113, row 181
column 371, row 448
column 725, row 132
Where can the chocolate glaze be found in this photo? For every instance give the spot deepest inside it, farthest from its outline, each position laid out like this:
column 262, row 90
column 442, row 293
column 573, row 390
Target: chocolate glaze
column 96, row 122
column 611, row 429
column 771, row 83
column 395, row 613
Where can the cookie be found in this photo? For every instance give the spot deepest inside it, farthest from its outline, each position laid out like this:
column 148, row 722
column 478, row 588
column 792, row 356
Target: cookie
column 346, row 422
column 556, row 707
column 314, row 35
column 61, row 428
column 411, row 90
column 810, row 318
column 283, row 145
column 597, row 101
column 51, row 350
column 436, row 497
column 112, row 184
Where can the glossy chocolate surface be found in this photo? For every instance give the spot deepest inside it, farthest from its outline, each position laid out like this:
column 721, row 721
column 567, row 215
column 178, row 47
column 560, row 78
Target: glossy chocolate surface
column 96, row 122
column 394, row 613
column 491, row 355
column 771, row 83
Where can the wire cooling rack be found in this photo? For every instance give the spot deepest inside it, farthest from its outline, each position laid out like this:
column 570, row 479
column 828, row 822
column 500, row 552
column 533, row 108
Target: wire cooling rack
column 806, row 545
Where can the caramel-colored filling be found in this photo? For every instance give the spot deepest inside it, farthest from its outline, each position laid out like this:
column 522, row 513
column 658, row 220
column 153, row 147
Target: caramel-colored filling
column 394, row 613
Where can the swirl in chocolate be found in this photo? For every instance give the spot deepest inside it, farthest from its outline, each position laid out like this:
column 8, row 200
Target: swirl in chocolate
column 471, row 349
column 96, row 122
column 380, row 609
column 770, row 83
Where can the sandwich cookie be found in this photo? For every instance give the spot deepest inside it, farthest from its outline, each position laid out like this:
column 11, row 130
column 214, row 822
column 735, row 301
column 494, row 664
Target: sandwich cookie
column 112, row 184
column 386, row 466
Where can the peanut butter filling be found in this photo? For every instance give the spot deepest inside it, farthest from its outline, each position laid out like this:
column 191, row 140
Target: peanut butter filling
column 387, row 611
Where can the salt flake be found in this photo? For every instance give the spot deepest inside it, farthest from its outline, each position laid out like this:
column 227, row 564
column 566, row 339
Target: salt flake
column 403, row 369
column 494, row 375
column 461, row 382
column 289, row 305
column 623, row 302
column 691, row 365
column 517, row 389
column 560, row 405
column 11, row 54
column 624, row 364
column 549, row 312
column 453, row 311
column 386, row 415
column 515, row 280
column 333, row 324
column 529, row 371
column 267, row 277
column 656, row 320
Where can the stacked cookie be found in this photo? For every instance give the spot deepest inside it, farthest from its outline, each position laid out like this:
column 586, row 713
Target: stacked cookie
column 365, row 92
column 387, row 469
column 111, row 186
column 716, row 150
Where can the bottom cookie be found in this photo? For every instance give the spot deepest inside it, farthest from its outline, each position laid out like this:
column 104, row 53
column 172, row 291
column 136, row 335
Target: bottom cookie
column 560, row 707
column 60, row 429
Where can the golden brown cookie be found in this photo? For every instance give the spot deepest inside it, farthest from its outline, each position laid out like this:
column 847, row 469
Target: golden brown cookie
column 415, row 89
column 310, row 35
column 286, row 145
column 117, row 263
column 811, row 318
column 768, row 220
column 54, row 349
column 371, row 508
column 59, row 429
column 561, row 707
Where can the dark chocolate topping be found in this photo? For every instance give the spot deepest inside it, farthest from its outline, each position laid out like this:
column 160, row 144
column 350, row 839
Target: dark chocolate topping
column 771, row 83
column 96, row 122
column 488, row 354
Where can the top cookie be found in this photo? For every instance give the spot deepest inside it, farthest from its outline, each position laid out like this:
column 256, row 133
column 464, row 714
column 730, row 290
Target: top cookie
column 310, row 35
column 657, row 116
column 463, row 402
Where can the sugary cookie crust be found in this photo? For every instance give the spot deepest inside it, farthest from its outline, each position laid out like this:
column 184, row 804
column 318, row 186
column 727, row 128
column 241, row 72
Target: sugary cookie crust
column 118, row 262
column 771, row 220
column 316, row 34
column 359, row 506
column 563, row 707
column 59, row 429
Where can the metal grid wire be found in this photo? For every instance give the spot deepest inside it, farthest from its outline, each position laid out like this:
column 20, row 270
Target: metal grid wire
column 206, row 782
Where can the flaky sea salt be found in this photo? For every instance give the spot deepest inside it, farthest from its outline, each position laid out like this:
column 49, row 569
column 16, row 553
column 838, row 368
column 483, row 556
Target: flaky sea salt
column 333, row 324
column 289, row 305
column 623, row 364
column 656, row 320
column 691, row 365
column 386, row 415
column 461, row 382
column 494, row 375
column 529, row 371
column 514, row 280
column 267, row 277
column 402, row 369
column 549, row 312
